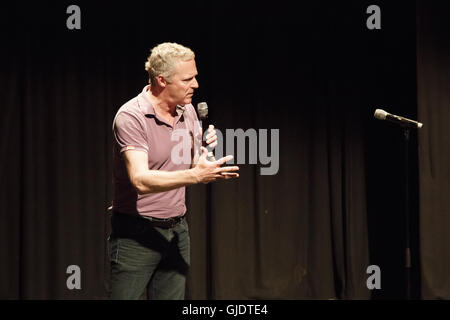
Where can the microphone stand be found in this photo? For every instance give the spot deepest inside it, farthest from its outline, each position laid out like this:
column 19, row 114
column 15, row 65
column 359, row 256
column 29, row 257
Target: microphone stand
column 406, row 124
column 209, row 222
column 406, row 136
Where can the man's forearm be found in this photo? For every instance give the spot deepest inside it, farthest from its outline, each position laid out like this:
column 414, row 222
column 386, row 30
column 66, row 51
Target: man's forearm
column 152, row 181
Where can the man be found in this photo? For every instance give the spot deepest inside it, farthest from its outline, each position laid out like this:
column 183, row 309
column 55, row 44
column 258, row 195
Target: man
column 149, row 244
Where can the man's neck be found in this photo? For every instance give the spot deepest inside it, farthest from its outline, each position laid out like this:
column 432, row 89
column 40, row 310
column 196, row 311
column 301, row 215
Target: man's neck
column 160, row 105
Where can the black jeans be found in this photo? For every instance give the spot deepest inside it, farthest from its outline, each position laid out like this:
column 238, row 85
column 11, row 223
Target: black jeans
column 143, row 256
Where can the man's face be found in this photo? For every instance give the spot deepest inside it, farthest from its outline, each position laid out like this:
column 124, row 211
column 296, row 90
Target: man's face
column 182, row 83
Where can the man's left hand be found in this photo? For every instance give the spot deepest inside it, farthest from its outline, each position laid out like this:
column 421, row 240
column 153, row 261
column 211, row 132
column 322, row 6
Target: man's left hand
column 211, row 137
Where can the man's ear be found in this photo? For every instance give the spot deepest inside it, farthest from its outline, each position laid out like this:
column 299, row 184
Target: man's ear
column 162, row 82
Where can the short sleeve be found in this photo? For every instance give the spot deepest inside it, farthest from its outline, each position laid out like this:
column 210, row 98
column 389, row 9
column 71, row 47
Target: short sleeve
column 129, row 132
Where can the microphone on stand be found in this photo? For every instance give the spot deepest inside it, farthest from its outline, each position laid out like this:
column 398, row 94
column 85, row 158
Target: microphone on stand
column 404, row 122
column 202, row 109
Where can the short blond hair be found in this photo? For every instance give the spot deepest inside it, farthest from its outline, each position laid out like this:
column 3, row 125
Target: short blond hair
column 163, row 59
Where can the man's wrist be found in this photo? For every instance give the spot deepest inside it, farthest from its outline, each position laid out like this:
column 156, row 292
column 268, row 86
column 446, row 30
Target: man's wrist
column 193, row 175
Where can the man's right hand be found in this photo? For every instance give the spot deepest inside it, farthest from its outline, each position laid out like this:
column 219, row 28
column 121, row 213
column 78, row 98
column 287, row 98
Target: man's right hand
column 207, row 171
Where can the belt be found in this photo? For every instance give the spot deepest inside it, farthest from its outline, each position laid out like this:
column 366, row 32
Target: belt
column 164, row 223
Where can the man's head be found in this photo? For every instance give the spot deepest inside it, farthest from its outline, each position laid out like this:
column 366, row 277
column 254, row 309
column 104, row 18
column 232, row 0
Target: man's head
column 172, row 67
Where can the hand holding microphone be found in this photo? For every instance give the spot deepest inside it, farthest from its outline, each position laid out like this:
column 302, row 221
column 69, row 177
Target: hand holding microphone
column 211, row 138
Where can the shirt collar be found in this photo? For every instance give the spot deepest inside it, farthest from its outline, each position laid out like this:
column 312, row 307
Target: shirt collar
column 144, row 102
column 180, row 109
column 146, row 106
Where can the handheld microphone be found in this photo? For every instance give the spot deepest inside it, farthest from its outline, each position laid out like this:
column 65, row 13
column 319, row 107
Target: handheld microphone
column 202, row 109
column 404, row 122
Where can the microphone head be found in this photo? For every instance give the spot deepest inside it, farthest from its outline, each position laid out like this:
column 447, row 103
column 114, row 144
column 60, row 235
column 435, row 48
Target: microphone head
column 202, row 108
column 380, row 114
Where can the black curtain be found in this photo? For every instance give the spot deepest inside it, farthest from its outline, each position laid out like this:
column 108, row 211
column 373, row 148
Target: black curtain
column 314, row 72
column 433, row 69
column 301, row 233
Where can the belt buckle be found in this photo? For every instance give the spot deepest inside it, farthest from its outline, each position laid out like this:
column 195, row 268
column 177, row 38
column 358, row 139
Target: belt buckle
column 174, row 222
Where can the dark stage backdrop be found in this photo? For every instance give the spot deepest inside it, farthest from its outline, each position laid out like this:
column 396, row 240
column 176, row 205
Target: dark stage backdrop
column 313, row 71
column 433, row 78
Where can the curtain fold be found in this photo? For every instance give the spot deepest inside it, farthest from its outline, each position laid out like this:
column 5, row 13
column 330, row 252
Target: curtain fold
column 433, row 81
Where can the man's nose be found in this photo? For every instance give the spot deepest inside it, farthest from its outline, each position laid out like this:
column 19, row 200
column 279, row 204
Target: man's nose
column 195, row 84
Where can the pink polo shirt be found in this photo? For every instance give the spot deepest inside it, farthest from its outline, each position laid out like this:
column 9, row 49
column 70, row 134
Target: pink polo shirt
column 136, row 126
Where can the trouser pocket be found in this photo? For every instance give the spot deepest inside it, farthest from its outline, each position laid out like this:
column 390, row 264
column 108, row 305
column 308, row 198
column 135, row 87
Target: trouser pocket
column 113, row 249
